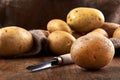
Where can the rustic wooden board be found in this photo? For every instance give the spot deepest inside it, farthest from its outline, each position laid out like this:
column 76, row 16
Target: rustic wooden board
column 14, row 69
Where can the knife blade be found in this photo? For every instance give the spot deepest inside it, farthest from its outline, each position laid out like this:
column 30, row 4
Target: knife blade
column 56, row 61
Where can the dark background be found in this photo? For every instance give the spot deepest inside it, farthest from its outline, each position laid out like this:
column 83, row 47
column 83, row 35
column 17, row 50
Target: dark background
column 32, row 14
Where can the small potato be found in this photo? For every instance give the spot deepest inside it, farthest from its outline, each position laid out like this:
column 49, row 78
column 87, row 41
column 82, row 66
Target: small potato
column 83, row 19
column 110, row 27
column 116, row 33
column 14, row 41
column 60, row 42
column 100, row 31
column 58, row 25
column 92, row 51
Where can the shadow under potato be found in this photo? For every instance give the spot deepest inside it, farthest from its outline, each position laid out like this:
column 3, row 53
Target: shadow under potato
column 117, row 52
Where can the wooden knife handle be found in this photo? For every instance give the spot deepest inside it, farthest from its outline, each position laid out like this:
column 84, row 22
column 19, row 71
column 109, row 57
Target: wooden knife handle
column 66, row 59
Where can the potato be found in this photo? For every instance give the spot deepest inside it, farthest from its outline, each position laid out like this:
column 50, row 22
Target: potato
column 14, row 41
column 92, row 51
column 100, row 31
column 110, row 27
column 116, row 33
column 60, row 42
column 83, row 19
column 58, row 24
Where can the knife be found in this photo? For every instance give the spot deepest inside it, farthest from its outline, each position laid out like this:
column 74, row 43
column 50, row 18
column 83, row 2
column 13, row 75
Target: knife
column 56, row 61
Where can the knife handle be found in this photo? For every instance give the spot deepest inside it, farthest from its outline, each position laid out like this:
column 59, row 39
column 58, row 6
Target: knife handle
column 65, row 59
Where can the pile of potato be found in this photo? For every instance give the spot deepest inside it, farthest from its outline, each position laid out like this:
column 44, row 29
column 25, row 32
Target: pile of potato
column 84, row 34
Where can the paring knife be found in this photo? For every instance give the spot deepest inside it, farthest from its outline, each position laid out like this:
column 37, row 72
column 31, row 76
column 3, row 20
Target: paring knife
column 60, row 60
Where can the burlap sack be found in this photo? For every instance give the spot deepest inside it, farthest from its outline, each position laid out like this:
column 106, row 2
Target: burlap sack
column 36, row 13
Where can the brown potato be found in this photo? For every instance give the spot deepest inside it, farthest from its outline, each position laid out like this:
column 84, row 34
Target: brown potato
column 110, row 28
column 92, row 51
column 14, row 41
column 58, row 25
column 83, row 19
column 60, row 42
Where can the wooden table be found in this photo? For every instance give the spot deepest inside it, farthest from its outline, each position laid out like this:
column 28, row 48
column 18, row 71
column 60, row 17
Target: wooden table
column 15, row 69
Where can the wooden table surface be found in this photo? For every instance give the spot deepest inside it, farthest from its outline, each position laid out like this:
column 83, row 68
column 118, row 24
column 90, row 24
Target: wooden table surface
column 15, row 69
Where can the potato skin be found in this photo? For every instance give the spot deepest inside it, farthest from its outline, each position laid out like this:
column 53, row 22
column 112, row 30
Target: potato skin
column 60, row 42
column 83, row 19
column 14, row 41
column 100, row 31
column 92, row 51
column 116, row 33
column 58, row 25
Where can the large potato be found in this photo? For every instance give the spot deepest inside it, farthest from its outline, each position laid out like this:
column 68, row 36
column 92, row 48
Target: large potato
column 14, row 41
column 84, row 19
column 92, row 51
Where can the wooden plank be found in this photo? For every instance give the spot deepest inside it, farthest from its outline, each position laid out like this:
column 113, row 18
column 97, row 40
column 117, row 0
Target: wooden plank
column 14, row 69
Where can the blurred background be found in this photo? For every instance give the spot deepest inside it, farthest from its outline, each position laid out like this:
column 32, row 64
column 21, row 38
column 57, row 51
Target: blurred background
column 35, row 14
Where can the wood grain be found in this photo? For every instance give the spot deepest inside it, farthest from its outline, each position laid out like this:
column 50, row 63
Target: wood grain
column 14, row 69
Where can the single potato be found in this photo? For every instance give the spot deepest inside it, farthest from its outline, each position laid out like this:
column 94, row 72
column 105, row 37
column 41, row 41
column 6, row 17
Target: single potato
column 83, row 19
column 116, row 33
column 100, row 31
column 60, row 42
column 58, row 25
column 14, row 41
column 92, row 51
column 110, row 27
